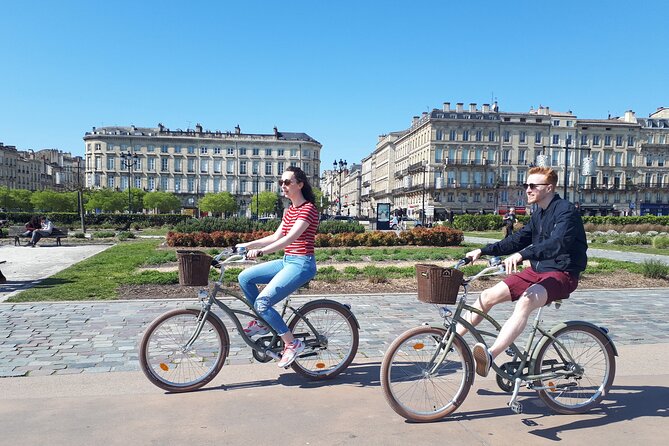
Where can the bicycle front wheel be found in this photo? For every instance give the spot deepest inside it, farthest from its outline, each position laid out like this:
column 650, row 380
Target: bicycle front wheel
column 329, row 350
column 592, row 370
column 415, row 385
column 166, row 360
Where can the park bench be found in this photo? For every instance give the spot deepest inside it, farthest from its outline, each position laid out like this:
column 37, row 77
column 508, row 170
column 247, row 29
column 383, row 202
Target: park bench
column 17, row 233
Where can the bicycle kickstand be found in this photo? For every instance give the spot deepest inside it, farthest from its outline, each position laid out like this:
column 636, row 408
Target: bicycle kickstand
column 515, row 406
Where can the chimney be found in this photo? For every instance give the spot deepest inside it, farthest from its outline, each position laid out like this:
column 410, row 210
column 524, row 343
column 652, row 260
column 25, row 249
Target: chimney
column 447, row 106
column 486, row 108
column 161, row 127
column 472, row 107
column 629, row 116
column 547, row 111
column 424, row 115
column 238, row 130
column 458, row 107
column 276, row 132
column 414, row 120
column 495, row 107
column 133, row 128
column 198, row 127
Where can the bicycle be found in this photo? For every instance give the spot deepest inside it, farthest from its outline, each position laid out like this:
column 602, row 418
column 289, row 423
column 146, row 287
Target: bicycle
column 184, row 349
column 428, row 371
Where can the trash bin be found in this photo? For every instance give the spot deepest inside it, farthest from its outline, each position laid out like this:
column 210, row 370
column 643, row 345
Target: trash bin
column 193, row 268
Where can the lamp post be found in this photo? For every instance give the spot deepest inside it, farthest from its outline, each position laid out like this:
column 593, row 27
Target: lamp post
column 129, row 160
column 257, row 194
column 422, row 219
column 339, row 168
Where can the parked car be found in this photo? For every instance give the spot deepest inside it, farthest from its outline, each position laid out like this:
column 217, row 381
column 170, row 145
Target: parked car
column 344, row 218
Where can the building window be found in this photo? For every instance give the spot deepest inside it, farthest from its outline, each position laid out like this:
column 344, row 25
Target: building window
column 204, row 166
column 217, row 150
column 479, row 135
column 451, row 135
column 595, row 140
column 230, row 151
column 584, row 140
column 163, row 149
column 279, row 152
column 556, row 139
column 256, row 151
column 177, row 149
column 537, row 138
column 630, row 141
column 151, row 185
column 164, row 164
column 465, row 135
column 177, row 184
column 191, row 150
column 230, row 167
column 191, row 165
column 619, row 140
column 268, row 152
column 164, row 183
column 203, row 150
column 110, row 182
column 177, row 164
column 523, row 137
column 255, row 167
column 242, row 167
column 268, row 185
column 507, row 136
column 279, row 167
column 439, row 135
column 242, row 151
column 242, row 186
column 150, row 148
column 491, row 135
column 607, row 140
column 217, row 166
column 268, row 168
column 556, row 123
column 293, row 153
column 151, row 164
column 191, row 184
column 111, row 163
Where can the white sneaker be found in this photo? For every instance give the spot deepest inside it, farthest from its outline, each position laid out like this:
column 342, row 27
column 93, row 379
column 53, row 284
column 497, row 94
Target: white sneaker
column 290, row 353
column 255, row 328
column 483, row 359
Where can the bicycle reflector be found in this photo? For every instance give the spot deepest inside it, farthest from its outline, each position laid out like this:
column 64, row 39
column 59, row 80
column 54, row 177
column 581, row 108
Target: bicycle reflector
column 320, row 365
column 418, row 346
column 164, row 366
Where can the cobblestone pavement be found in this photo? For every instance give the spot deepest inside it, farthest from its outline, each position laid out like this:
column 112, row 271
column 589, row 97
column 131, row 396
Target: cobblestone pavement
column 70, row 338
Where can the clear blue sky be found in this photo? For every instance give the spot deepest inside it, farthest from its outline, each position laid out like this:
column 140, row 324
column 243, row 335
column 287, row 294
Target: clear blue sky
column 341, row 71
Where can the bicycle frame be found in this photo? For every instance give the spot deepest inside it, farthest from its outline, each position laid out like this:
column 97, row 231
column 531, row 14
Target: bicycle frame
column 210, row 299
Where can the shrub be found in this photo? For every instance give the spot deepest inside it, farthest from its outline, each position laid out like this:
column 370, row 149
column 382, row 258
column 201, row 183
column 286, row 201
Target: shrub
column 125, row 235
column 661, row 242
column 104, row 234
column 655, row 269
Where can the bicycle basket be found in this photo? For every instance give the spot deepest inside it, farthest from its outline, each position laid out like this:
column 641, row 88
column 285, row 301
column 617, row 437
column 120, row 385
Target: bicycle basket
column 438, row 285
column 193, row 268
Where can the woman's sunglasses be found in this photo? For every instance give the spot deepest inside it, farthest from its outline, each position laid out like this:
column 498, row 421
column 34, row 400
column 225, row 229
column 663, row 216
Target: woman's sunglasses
column 533, row 186
column 285, row 182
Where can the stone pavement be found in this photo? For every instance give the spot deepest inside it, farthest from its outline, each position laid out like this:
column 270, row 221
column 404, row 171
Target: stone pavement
column 84, row 337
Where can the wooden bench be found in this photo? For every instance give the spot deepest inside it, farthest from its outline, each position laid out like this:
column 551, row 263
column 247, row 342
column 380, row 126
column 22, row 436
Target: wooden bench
column 18, row 231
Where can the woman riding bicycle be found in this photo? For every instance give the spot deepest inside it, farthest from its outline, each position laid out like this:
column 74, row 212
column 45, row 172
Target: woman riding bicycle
column 295, row 235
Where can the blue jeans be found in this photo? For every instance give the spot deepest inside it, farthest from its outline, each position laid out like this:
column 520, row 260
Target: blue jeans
column 283, row 277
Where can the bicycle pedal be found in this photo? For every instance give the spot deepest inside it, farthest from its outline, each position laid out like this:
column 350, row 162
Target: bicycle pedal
column 510, row 352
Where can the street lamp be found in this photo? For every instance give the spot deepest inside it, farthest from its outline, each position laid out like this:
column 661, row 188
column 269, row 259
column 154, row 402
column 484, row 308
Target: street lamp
column 129, row 160
column 339, row 168
column 257, row 194
column 587, row 164
column 422, row 219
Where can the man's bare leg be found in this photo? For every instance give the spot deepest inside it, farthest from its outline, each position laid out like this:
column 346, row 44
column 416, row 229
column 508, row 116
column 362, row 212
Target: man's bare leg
column 488, row 299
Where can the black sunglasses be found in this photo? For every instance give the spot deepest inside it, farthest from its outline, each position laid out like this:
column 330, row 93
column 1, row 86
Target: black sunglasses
column 534, row 185
column 285, row 182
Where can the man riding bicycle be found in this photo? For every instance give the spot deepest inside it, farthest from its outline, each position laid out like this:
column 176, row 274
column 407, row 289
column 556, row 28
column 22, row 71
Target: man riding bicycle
column 555, row 245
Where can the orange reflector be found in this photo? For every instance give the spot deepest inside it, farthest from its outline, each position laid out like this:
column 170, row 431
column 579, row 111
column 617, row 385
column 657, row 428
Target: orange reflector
column 418, row 346
column 320, row 365
column 164, row 366
column 551, row 386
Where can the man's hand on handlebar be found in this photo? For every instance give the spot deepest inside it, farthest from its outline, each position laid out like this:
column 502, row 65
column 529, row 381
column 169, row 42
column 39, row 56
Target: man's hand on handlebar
column 473, row 255
column 511, row 263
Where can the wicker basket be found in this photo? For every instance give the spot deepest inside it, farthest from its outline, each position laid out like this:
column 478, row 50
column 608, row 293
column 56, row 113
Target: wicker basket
column 438, row 285
column 193, row 268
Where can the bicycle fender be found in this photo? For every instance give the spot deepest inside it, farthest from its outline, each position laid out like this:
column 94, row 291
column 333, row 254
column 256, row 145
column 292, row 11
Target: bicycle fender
column 562, row 325
column 318, row 301
column 211, row 314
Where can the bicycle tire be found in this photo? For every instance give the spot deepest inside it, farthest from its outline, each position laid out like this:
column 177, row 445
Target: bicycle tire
column 594, row 354
column 417, row 394
column 167, row 366
column 339, row 330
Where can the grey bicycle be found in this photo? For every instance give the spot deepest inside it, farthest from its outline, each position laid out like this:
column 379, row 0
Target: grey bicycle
column 184, row 349
column 428, row 371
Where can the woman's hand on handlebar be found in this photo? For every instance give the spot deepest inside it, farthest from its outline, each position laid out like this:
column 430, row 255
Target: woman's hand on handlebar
column 254, row 253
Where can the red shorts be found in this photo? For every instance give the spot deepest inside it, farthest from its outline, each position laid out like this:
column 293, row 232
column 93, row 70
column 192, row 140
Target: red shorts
column 558, row 284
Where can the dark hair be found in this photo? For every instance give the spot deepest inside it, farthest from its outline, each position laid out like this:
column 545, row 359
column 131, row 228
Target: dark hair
column 301, row 177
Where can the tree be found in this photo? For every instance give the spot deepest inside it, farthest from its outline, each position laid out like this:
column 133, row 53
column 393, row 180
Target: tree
column 107, row 200
column 163, row 201
column 51, row 201
column 264, row 202
column 220, row 203
column 322, row 202
column 17, row 200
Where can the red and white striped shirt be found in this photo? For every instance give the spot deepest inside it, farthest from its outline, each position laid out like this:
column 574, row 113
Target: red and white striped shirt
column 304, row 244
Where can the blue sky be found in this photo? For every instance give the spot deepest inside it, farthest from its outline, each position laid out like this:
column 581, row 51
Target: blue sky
column 342, row 71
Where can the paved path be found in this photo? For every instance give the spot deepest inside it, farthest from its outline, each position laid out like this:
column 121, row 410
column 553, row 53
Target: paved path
column 77, row 337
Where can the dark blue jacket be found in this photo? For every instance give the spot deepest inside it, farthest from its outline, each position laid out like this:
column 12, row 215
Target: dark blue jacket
column 553, row 240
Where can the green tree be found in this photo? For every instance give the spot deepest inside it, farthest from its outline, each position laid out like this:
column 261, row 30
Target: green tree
column 20, row 200
column 163, row 201
column 264, row 203
column 322, row 202
column 52, row 201
column 220, row 203
column 107, row 200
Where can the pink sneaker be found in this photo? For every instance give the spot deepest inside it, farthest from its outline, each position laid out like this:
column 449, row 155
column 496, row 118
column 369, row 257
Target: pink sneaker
column 290, row 352
column 255, row 328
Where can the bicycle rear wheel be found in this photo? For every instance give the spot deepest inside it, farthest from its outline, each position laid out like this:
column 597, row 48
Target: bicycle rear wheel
column 166, row 361
column 417, row 388
column 593, row 370
column 331, row 350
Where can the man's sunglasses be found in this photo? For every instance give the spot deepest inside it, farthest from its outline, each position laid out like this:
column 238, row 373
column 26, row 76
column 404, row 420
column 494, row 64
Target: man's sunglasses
column 285, row 182
column 533, row 186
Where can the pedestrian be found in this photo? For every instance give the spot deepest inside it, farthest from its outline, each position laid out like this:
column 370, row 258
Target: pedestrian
column 553, row 242
column 509, row 220
column 295, row 236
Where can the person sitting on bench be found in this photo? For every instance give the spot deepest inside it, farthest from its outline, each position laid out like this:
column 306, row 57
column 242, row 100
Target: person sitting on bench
column 46, row 229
